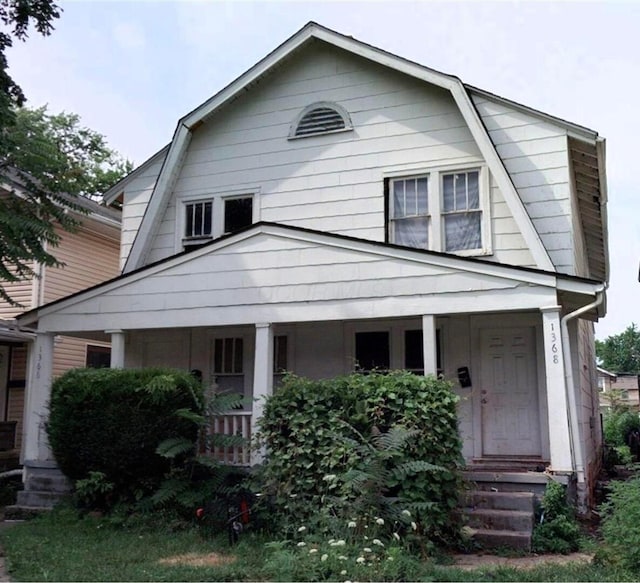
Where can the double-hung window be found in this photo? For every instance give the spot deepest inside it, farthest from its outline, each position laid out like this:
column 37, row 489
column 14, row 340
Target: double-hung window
column 199, row 220
column 442, row 210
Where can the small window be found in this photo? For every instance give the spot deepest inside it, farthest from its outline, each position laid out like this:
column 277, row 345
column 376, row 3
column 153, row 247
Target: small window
column 414, row 352
column 461, row 211
column 199, row 219
column 372, row 351
column 320, row 118
column 98, row 356
column 238, row 213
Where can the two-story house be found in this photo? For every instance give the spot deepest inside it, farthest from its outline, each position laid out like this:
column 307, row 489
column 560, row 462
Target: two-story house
column 340, row 208
column 90, row 255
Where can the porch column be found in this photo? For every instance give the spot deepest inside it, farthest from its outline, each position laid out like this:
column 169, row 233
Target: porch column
column 429, row 347
column 262, row 379
column 557, row 405
column 35, row 447
column 117, row 348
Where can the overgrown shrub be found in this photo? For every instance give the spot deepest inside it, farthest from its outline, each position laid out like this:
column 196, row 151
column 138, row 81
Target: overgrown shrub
column 316, row 435
column 621, row 525
column 112, row 420
column 557, row 530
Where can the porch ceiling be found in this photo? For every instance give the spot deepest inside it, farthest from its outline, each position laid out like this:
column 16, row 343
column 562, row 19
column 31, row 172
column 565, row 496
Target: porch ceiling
column 272, row 273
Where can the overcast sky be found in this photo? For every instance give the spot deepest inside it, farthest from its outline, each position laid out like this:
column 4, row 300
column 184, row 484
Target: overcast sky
column 131, row 69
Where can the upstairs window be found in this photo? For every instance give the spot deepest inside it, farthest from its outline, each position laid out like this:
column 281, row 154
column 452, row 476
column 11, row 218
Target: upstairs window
column 441, row 211
column 238, row 213
column 199, row 219
column 320, row 118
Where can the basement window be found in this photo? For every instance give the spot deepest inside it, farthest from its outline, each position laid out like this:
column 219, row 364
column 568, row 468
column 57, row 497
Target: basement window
column 319, row 118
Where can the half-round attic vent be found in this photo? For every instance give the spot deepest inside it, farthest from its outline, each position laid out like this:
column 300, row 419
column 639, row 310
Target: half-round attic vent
column 320, row 118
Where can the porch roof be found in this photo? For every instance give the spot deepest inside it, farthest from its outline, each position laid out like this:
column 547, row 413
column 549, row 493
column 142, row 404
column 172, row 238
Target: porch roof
column 275, row 273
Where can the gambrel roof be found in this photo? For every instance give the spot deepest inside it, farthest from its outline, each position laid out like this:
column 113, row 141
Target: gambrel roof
column 583, row 142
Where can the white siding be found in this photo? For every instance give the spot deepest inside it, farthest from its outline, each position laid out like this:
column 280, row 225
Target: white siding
column 136, row 198
column 535, row 154
column 334, row 182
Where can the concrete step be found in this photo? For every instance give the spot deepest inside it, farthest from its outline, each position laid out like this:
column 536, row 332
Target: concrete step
column 500, row 500
column 534, row 482
column 493, row 539
column 17, row 512
column 500, row 520
column 38, row 499
column 49, row 482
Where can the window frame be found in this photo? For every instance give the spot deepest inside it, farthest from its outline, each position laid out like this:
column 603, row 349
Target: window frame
column 218, row 199
column 435, row 205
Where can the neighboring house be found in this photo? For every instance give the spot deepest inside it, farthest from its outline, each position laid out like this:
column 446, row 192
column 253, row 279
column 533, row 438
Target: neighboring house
column 90, row 255
column 624, row 387
column 339, row 208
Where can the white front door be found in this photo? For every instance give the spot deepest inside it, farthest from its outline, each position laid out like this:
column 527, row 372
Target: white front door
column 509, row 393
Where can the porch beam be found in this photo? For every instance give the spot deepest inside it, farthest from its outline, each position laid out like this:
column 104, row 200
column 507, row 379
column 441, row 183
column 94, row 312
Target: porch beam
column 557, row 403
column 262, row 378
column 117, row 347
column 429, row 346
column 40, row 373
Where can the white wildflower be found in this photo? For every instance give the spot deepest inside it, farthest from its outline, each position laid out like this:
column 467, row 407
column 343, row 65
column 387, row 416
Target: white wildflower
column 332, row 540
column 360, row 560
column 329, row 477
column 343, row 572
column 342, row 558
column 366, row 537
column 302, row 544
column 339, row 543
column 352, row 524
column 293, row 495
column 302, row 529
column 324, row 557
column 367, row 550
column 311, row 551
column 389, row 558
column 406, row 513
column 377, row 541
column 414, row 526
column 396, row 536
column 379, row 520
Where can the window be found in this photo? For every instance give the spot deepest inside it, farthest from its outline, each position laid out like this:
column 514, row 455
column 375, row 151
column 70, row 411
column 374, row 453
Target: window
column 320, row 118
column 461, row 211
column 441, row 211
column 228, row 364
column 238, row 213
column 208, row 219
column 199, row 219
column 98, row 356
column 414, row 352
column 372, row 351
column 280, row 360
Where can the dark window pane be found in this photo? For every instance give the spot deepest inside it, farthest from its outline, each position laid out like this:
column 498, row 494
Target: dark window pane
column 372, row 350
column 238, row 213
column 227, row 359
column 217, row 358
column 197, row 220
column 189, row 228
column 237, row 357
column 279, row 354
column 413, row 351
column 206, row 229
column 98, row 357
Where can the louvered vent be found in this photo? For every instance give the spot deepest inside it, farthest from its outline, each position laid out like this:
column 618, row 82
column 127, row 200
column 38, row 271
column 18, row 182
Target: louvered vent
column 320, row 118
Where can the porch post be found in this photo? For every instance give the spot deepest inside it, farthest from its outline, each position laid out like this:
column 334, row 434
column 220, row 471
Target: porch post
column 117, row 348
column 35, row 446
column 262, row 379
column 429, row 347
column 557, row 405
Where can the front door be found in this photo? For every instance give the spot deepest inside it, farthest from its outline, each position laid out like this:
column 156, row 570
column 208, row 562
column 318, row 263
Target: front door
column 509, row 393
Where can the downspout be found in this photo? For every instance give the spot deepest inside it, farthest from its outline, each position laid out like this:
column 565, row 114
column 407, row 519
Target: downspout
column 578, row 454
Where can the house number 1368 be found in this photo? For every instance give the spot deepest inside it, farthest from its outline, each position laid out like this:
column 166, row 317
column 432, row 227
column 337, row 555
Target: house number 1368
column 554, row 345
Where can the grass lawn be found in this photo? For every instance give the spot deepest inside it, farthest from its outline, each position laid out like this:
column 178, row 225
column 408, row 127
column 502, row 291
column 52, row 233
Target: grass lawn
column 61, row 547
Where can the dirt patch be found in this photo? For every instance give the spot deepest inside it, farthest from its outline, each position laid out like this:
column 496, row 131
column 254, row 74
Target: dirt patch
column 199, row 560
column 469, row 562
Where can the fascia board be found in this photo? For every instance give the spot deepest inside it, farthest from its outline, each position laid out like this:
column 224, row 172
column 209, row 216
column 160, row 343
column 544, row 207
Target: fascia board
column 601, row 151
column 574, row 130
column 158, row 200
column 578, row 287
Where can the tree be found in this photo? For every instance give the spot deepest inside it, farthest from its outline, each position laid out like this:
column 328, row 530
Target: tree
column 621, row 352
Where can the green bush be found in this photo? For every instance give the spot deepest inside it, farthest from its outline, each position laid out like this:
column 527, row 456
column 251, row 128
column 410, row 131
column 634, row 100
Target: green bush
column 621, row 525
column 318, row 437
column 557, row 531
column 112, row 420
column 618, row 423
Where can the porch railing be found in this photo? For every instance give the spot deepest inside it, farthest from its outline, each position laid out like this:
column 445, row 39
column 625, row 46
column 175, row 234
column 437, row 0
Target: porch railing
column 236, row 423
